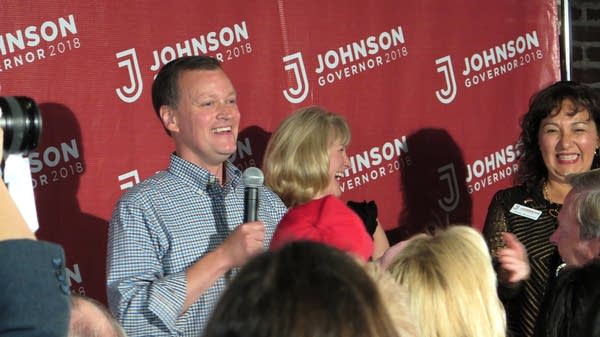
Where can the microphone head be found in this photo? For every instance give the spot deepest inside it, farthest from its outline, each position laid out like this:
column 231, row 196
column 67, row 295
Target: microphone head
column 253, row 177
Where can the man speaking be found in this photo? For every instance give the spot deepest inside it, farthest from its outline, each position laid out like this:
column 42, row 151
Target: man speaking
column 175, row 239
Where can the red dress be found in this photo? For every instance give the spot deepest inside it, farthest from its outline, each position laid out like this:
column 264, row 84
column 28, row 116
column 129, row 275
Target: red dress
column 327, row 220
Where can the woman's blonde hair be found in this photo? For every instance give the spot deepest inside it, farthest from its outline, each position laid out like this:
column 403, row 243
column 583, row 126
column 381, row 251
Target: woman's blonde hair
column 451, row 284
column 394, row 298
column 296, row 163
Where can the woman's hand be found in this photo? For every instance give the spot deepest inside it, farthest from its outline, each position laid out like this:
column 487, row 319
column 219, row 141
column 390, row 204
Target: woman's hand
column 513, row 260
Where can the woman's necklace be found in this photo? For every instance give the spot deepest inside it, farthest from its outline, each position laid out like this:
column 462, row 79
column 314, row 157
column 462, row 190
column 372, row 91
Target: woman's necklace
column 554, row 208
column 546, row 194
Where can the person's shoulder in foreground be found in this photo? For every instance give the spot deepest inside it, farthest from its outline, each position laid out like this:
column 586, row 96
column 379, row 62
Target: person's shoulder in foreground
column 35, row 300
column 35, row 294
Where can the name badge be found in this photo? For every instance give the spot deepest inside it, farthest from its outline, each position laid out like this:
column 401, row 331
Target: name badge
column 524, row 211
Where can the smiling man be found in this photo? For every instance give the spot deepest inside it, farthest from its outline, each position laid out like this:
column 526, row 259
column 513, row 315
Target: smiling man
column 176, row 238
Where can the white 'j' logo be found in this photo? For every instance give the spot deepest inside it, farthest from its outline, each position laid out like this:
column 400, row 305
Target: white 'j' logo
column 131, row 93
column 298, row 93
column 446, row 95
column 128, row 179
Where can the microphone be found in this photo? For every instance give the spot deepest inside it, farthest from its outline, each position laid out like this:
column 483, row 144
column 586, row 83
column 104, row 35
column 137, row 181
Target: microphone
column 253, row 178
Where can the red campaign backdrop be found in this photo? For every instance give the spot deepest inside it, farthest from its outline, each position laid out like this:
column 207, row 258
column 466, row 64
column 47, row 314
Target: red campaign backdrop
column 433, row 91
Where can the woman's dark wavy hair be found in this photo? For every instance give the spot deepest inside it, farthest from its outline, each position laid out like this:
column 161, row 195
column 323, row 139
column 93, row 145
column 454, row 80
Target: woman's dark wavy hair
column 532, row 169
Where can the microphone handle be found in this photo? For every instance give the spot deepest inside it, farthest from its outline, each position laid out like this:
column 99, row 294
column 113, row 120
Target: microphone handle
column 250, row 204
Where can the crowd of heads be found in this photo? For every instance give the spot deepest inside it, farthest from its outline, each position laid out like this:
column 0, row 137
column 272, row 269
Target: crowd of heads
column 308, row 288
column 303, row 289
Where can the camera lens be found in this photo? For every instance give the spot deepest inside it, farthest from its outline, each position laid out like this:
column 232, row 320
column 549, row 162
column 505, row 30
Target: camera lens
column 21, row 120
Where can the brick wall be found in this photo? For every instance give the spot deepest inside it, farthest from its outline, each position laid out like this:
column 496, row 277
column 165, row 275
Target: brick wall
column 585, row 15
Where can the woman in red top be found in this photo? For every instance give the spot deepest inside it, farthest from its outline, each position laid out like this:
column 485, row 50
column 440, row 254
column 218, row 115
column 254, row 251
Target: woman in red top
column 304, row 161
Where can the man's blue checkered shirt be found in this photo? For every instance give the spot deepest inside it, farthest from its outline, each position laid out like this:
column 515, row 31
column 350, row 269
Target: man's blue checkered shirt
column 158, row 229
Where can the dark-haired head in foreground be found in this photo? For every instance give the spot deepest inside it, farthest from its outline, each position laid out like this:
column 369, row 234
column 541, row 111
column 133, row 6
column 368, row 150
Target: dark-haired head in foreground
column 303, row 289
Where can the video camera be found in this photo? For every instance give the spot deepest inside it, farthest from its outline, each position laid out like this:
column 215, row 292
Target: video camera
column 21, row 120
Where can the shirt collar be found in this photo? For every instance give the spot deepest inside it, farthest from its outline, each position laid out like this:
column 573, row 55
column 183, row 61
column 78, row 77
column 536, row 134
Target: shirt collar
column 198, row 177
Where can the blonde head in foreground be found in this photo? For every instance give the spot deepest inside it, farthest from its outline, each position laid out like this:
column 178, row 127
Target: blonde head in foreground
column 451, row 284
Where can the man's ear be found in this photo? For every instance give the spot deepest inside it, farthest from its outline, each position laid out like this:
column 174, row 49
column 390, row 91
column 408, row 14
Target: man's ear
column 169, row 120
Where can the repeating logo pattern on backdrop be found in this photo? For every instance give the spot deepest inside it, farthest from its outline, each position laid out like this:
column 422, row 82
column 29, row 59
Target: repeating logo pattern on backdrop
column 51, row 38
column 56, row 163
column 226, row 44
column 484, row 172
column 128, row 58
column 491, row 63
column 375, row 163
column 349, row 60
